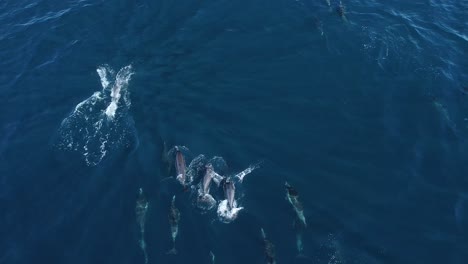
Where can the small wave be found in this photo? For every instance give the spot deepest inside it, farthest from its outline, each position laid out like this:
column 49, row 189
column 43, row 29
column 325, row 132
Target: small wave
column 46, row 17
column 95, row 127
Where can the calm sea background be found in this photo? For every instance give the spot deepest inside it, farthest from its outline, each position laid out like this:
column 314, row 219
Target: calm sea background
column 366, row 116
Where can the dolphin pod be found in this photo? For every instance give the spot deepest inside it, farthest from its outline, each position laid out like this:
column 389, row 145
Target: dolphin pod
column 208, row 188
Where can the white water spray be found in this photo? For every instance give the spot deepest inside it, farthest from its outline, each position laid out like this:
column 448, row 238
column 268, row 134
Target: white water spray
column 95, row 127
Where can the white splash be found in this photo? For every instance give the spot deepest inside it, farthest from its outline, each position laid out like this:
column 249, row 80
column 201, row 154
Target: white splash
column 226, row 214
column 247, row 171
column 95, row 127
column 102, row 71
column 121, row 82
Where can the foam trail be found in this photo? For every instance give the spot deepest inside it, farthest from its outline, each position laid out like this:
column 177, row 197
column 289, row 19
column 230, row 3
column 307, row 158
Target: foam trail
column 102, row 72
column 95, row 127
column 247, row 171
column 121, row 82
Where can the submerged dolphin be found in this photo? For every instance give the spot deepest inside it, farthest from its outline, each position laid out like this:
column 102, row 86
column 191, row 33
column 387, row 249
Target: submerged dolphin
column 212, row 256
column 269, row 248
column 341, row 11
column 293, row 198
column 180, row 166
column 174, row 217
column 140, row 211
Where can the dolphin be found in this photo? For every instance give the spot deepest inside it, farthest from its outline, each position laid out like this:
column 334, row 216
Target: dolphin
column 229, row 192
column 204, row 199
column 140, row 211
column 174, row 217
column 292, row 196
column 180, row 166
column 212, row 256
column 341, row 11
column 269, row 248
column 207, row 178
column 227, row 209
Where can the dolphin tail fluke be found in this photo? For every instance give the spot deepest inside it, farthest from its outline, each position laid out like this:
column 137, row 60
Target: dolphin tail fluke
column 173, row 251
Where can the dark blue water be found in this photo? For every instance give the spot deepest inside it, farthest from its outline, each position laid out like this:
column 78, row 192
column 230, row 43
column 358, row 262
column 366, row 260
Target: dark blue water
column 366, row 115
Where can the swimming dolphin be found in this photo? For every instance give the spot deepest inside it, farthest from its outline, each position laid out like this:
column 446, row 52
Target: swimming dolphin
column 341, row 11
column 212, row 256
column 227, row 209
column 140, row 211
column 229, row 192
column 174, row 217
column 269, row 248
column 293, row 198
column 207, row 178
column 204, row 199
column 180, row 166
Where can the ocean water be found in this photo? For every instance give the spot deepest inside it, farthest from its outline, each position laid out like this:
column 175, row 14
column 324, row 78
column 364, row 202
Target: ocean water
column 366, row 115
